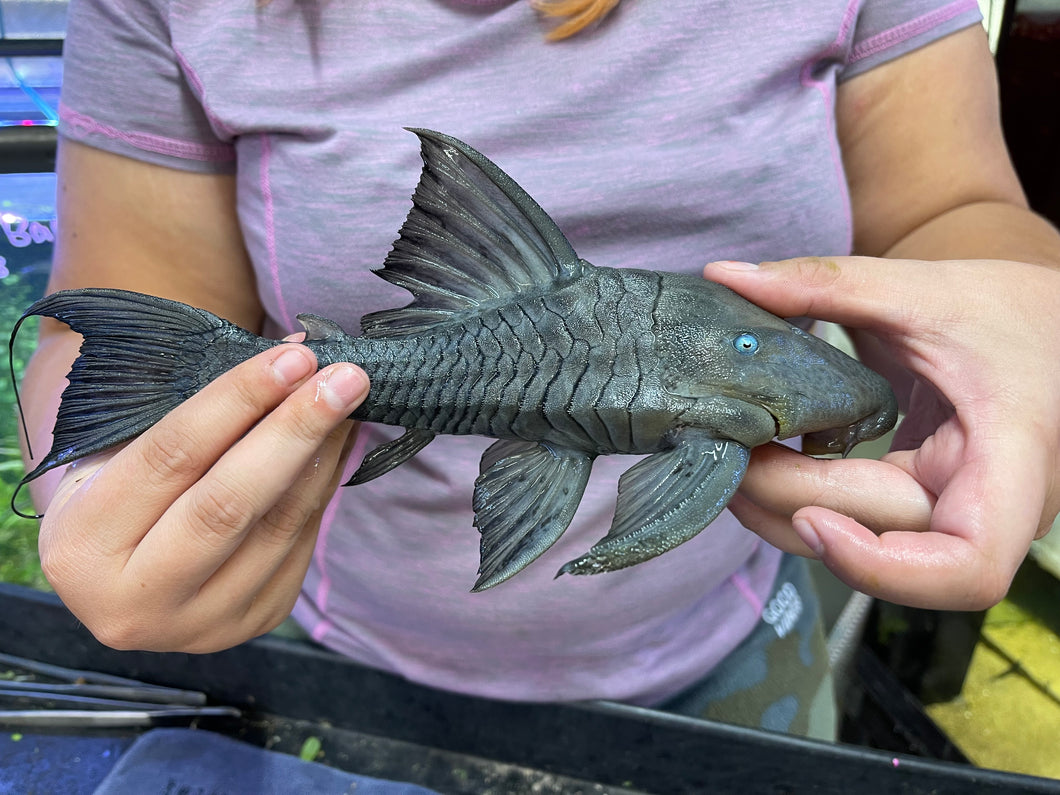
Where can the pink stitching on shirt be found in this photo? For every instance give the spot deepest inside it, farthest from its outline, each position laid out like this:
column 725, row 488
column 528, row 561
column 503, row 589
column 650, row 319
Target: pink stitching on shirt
column 320, row 630
column 197, row 86
column 320, row 553
column 81, row 126
column 807, row 79
column 269, row 212
column 906, row 31
column 748, row 593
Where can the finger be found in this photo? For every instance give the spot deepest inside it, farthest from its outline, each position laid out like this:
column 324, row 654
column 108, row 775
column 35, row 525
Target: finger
column 774, row 528
column 926, row 570
column 208, row 521
column 852, row 291
column 278, row 548
column 164, row 461
column 780, row 481
column 980, row 532
column 256, row 588
column 934, row 571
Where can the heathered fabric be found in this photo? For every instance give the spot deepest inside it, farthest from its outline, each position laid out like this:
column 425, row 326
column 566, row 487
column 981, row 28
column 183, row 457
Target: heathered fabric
column 675, row 133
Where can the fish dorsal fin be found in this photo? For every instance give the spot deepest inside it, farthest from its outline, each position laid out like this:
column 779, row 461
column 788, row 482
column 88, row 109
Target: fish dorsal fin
column 472, row 238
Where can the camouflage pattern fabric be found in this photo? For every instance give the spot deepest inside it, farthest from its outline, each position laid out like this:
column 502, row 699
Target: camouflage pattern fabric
column 778, row 678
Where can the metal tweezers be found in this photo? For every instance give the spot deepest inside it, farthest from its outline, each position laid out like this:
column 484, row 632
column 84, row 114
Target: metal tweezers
column 93, row 699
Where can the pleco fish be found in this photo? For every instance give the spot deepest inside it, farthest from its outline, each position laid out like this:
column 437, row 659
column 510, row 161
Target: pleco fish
column 510, row 335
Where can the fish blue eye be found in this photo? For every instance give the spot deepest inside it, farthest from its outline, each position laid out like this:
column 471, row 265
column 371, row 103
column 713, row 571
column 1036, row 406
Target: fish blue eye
column 746, row 344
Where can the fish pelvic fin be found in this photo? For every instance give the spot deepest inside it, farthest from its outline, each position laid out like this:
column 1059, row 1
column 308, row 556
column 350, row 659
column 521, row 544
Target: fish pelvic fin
column 524, row 499
column 665, row 500
column 391, row 454
column 473, row 237
column 141, row 357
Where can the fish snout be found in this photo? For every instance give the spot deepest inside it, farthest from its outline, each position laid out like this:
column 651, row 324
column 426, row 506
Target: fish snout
column 835, row 401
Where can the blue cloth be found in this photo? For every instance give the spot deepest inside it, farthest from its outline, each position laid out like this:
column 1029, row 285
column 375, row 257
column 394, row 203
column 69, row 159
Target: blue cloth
column 70, row 764
column 188, row 760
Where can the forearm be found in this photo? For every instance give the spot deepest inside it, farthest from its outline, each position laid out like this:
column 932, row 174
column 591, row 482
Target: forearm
column 983, row 230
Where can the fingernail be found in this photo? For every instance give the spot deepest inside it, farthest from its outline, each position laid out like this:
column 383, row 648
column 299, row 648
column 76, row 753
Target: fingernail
column 806, row 532
column 341, row 387
column 734, row 265
column 292, row 365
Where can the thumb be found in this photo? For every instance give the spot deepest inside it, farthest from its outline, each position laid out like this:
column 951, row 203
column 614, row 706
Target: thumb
column 862, row 292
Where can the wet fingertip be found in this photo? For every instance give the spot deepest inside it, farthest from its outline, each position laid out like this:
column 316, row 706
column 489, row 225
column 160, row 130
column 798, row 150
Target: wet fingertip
column 342, row 387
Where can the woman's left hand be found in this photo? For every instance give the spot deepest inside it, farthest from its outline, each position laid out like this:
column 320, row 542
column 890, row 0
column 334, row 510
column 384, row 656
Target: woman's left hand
column 943, row 520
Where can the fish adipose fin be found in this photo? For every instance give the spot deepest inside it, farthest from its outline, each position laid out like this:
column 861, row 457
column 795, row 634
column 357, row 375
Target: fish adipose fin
column 524, row 499
column 141, row 357
column 473, row 237
column 666, row 499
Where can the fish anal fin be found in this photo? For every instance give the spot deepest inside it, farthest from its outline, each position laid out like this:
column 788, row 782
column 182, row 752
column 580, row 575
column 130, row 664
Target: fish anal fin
column 524, row 499
column 390, row 454
column 665, row 500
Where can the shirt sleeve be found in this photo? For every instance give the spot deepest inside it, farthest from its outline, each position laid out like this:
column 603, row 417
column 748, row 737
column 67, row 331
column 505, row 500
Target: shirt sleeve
column 124, row 90
column 887, row 29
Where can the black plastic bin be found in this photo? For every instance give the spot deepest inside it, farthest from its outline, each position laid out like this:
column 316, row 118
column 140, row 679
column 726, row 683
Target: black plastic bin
column 375, row 724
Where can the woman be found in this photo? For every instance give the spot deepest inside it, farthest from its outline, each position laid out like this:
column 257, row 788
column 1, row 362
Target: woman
column 249, row 160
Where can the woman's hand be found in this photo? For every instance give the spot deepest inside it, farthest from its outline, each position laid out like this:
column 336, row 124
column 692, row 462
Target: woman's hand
column 945, row 518
column 196, row 535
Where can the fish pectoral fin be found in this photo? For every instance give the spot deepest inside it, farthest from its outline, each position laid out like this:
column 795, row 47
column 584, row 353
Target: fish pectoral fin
column 666, row 499
column 389, row 455
column 524, row 499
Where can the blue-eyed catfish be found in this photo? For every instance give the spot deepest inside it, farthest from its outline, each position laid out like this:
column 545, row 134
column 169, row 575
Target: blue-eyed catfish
column 511, row 335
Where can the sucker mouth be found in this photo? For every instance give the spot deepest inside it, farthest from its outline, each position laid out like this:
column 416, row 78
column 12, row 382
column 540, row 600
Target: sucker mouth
column 834, row 440
column 843, row 440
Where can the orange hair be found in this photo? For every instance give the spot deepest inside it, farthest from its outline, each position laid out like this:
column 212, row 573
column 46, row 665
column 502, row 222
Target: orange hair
column 579, row 14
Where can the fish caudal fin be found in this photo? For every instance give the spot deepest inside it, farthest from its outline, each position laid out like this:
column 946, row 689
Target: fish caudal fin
column 141, row 357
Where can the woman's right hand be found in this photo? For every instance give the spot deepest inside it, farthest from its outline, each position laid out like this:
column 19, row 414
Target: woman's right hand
column 196, row 535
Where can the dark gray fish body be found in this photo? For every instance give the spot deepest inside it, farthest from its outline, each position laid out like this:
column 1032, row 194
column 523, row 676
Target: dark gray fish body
column 510, row 335
column 535, row 368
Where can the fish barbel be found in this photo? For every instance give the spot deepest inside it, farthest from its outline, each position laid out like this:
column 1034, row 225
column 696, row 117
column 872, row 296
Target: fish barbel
column 510, row 335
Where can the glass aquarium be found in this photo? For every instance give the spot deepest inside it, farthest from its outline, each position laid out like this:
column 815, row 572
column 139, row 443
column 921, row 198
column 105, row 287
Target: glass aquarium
column 27, row 223
column 33, row 19
column 31, row 35
column 28, row 226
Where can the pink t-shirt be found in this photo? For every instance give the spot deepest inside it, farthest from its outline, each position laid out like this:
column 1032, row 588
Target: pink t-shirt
column 675, row 133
